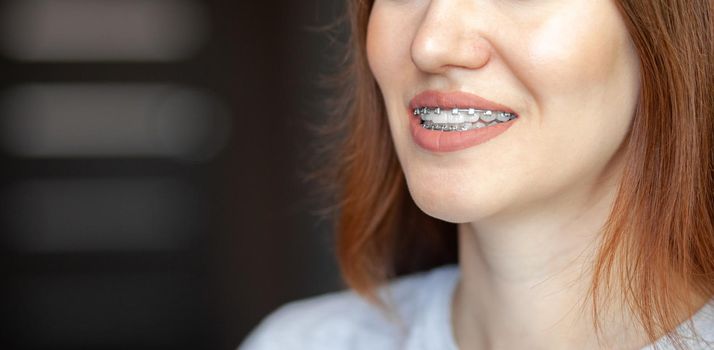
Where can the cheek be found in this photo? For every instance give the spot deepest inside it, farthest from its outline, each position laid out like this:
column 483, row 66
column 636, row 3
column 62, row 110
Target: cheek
column 576, row 48
column 581, row 67
column 387, row 45
column 378, row 43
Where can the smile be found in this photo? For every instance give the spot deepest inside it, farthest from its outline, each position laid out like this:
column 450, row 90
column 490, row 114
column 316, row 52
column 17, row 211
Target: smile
column 447, row 121
column 460, row 119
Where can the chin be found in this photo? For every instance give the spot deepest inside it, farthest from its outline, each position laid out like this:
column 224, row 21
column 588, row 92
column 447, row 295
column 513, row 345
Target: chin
column 454, row 205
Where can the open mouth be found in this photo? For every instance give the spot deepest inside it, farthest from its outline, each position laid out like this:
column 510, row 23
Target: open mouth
column 460, row 119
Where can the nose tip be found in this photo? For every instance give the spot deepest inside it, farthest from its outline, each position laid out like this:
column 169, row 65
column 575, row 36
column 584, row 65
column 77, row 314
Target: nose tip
column 439, row 45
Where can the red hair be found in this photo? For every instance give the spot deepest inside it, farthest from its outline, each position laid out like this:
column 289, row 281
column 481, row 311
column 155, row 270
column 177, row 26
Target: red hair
column 661, row 229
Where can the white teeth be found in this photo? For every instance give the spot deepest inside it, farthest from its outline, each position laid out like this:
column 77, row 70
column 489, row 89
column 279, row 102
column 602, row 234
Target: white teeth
column 456, row 118
column 451, row 127
column 460, row 119
column 488, row 116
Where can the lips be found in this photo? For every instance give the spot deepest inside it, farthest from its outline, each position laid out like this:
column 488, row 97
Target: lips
column 455, row 99
column 442, row 141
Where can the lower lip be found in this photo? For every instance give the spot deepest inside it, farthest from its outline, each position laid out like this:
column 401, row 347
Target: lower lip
column 451, row 141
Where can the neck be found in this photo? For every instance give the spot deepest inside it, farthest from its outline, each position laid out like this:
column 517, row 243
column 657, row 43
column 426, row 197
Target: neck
column 524, row 279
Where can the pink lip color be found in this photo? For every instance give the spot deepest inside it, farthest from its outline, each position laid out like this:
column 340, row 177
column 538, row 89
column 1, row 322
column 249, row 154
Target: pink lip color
column 450, row 141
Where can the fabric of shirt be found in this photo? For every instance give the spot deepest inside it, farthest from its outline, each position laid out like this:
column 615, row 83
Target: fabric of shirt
column 421, row 320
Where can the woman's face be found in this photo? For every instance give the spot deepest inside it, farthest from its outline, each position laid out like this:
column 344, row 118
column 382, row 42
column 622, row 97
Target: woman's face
column 566, row 68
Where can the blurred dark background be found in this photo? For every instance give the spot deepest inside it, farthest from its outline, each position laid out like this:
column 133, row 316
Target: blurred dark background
column 153, row 155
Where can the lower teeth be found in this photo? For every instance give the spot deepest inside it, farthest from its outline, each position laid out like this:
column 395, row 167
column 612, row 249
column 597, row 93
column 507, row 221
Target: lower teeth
column 428, row 124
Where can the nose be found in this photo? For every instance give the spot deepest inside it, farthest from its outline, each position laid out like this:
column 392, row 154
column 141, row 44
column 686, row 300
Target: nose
column 450, row 34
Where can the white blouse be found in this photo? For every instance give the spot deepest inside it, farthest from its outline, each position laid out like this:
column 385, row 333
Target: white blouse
column 422, row 303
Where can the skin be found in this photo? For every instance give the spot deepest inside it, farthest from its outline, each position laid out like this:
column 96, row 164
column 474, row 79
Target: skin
column 531, row 202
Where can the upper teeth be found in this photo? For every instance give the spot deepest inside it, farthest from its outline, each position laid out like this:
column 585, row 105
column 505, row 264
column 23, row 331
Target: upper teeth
column 460, row 118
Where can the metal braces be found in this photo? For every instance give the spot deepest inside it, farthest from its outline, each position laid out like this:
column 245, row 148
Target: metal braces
column 456, row 111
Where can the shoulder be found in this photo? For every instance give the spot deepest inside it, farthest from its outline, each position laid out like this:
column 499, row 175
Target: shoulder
column 697, row 332
column 322, row 322
column 343, row 320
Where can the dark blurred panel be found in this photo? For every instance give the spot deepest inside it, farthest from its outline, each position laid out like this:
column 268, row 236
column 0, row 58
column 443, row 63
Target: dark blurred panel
column 112, row 120
column 153, row 156
column 102, row 30
column 89, row 215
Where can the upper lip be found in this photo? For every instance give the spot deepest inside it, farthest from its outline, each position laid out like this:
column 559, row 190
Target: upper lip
column 455, row 99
